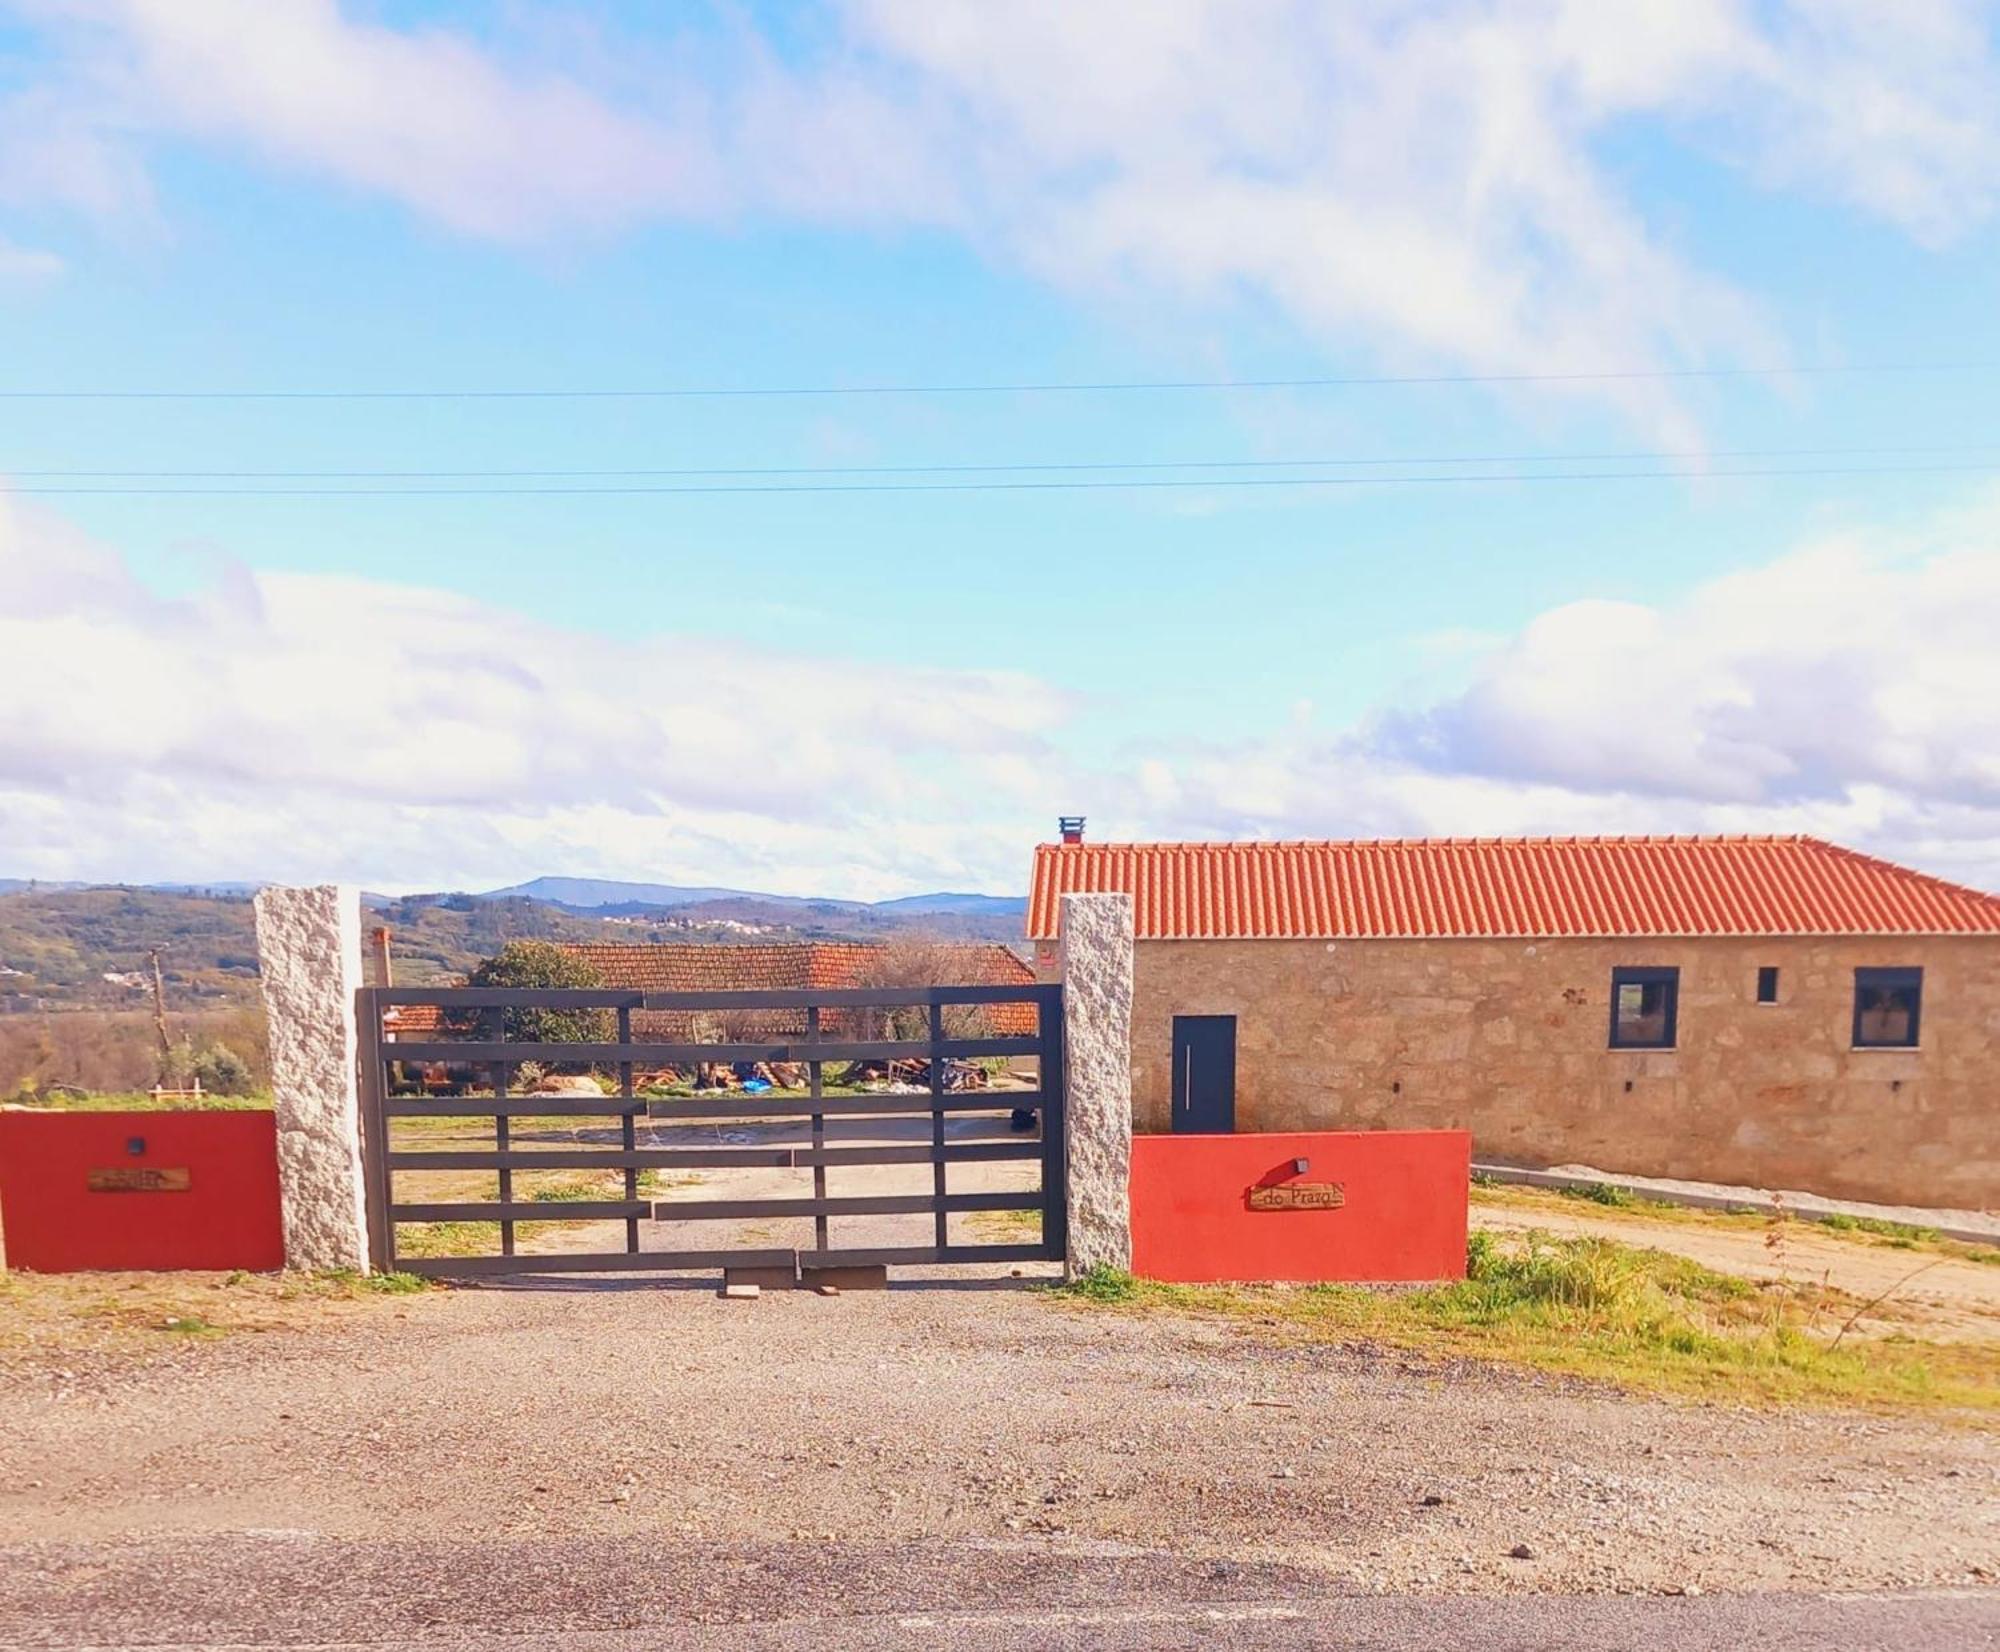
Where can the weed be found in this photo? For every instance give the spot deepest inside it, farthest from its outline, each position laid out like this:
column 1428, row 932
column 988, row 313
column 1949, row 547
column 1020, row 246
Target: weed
column 1597, row 1309
column 1903, row 1235
column 191, row 1324
column 1600, row 1193
column 1102, row 1283
column 397, row 1284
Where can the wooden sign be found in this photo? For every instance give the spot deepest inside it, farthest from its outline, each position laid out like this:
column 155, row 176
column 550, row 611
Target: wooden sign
column 139, row 1178
column 1299, row 1196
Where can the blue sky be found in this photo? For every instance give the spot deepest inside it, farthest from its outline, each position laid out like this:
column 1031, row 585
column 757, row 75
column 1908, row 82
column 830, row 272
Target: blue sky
column 874, row 693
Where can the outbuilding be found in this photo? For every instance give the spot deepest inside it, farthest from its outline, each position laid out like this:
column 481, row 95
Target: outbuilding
column 1766, row 1011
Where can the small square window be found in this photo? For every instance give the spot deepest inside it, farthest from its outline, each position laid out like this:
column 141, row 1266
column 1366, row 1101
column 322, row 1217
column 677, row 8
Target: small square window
column 1767, row 984
column 1887, row 1007
column 1644, row 1006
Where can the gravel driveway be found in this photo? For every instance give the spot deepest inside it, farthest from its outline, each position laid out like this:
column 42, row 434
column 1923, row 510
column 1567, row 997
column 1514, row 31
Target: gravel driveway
column 987, row 1420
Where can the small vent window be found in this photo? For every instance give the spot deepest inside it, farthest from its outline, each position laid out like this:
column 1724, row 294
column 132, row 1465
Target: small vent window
column 1767, row 984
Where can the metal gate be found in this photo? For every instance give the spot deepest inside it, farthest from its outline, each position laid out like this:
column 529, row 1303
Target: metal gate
column 441, row 1067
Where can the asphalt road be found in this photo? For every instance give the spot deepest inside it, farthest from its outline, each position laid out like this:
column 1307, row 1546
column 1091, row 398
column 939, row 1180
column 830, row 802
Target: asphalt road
column 298, row 1592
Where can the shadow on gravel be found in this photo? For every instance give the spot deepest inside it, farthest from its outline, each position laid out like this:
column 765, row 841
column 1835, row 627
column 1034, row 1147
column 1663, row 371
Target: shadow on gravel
column 598, row 1284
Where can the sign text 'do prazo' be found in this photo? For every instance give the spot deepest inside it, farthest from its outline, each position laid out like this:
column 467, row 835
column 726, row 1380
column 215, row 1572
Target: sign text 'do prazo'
column 138, row 1178
column 1298, row 1196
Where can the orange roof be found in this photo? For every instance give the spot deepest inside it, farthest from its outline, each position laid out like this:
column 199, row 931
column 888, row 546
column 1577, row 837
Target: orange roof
column 1506, row 887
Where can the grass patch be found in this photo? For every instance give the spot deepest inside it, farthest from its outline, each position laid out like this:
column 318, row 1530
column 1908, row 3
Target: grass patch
column 581, row 1186
column 1871, row 1231
column 48, row 1319
column 1901, row 1235
column 1006, row 1227
column 428, row 1239
column 141, row 1101
column 1604, row 1311
column 1602, row 1193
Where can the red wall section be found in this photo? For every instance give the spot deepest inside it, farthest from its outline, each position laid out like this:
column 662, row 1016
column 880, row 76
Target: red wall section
column 227, row 1218
column 1404, row 1218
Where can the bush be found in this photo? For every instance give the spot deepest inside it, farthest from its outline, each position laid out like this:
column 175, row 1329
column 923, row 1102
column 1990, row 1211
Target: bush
column 541, row 964
column 220, row 1070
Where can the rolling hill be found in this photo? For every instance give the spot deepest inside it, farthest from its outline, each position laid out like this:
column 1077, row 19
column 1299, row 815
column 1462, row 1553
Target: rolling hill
column 84, row 947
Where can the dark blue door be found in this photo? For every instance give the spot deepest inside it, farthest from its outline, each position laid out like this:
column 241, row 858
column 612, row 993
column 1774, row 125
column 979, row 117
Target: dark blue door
column 1205, row 1074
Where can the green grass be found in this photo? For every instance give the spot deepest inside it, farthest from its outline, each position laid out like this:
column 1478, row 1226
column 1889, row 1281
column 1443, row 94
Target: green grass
column 140, row 1101
column 352, row 1280
column 575, row 1187
column 1902, row 1235
column 1603, row 1193
column 1862, row 1230
column 1603, row 1311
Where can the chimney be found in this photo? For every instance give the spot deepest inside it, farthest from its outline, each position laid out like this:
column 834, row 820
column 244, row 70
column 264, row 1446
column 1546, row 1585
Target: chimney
column 385, row 975
column 1071, row 827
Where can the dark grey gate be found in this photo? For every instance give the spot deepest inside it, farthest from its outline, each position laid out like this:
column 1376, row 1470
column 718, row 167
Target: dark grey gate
column 469, row 1041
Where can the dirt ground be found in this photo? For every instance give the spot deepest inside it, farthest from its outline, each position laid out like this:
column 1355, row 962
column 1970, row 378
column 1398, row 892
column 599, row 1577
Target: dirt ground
column 989, row 1415
column 1922, row 1293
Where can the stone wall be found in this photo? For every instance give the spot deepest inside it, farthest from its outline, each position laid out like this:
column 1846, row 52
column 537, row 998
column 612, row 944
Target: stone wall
column 1509, row 1040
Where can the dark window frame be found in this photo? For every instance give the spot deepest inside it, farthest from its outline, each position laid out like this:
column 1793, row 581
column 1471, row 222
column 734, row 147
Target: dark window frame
column 1767, row 976
column 1644, row 975
column 1889, row 978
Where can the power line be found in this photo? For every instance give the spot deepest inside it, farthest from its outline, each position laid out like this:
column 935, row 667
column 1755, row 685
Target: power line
column 1663, row 456
column 1044, row 387
column 1046, row 486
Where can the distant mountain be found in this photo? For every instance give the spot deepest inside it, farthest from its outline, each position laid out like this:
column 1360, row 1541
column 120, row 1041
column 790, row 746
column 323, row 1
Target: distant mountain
column 984, row 906
column 587, row 893
column 610, row 898
column 236, row 890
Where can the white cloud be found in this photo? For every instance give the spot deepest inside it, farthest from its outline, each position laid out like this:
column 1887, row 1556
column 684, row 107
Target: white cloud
column 1417, row 177
column 305, row 726
column 27, row 264
column 277, row 725
column 1850, row 689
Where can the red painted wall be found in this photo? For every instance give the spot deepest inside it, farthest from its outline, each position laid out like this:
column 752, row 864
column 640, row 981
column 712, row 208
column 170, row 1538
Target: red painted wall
column 227, row 1218
column 1404, row 1218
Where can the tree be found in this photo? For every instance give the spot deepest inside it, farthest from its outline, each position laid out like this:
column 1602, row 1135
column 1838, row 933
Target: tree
column 544, row 964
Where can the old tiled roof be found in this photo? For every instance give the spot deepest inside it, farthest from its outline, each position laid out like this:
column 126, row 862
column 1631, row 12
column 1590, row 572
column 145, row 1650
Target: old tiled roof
column 1507, row 887
column 412, row 1023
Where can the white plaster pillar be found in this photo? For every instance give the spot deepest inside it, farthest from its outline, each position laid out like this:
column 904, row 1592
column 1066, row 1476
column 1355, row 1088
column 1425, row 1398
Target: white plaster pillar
column 309, row 955
column 1096, row 943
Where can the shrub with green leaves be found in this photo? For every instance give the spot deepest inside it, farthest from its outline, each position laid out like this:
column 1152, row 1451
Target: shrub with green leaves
column 539, row 964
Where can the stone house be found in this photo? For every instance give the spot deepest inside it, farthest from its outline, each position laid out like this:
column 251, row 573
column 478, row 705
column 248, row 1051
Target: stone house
column 1770, row 1011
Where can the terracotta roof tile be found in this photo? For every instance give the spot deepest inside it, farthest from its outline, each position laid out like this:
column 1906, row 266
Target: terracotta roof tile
column 1505, row 887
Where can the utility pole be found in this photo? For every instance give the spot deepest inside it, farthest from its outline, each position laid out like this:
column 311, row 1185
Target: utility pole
column 160, row 1017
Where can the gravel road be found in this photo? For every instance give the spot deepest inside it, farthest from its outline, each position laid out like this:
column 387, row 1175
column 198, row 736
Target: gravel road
column 610, row 1595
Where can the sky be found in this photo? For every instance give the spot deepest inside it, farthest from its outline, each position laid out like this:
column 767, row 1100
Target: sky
column 1521, row 416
